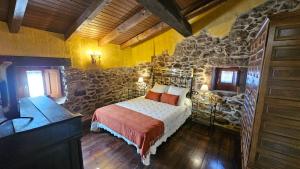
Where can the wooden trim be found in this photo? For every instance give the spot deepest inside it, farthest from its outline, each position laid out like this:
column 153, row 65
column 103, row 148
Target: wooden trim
column 194, row 6
column 263, row 28
column 262, row 92
column 12, row 93
column 159, row 28
column 254, row 75
column 168, row 12
column 16, row 14
column 286, row 43
column 204, row 8
column 283, row 15
column 278, row 156
column 36, row 61
column 87, row 16
column 263, row 121
column 190, row 12
column 125, row 26
column 285, row 63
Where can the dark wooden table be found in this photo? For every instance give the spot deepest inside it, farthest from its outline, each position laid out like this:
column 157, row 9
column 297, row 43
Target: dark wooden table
column 50, row 141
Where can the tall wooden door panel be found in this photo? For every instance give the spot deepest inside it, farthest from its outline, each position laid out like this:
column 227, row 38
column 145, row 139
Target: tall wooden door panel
column 251, row 90
column 276, row 134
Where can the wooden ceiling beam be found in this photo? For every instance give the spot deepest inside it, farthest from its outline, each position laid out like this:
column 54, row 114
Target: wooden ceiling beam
column 190, row 12
column 126, row 25
column 146, row 35
column 169, row 12
column 194, row 6
column 16, row 14
column 204, row 8
column 87, row 16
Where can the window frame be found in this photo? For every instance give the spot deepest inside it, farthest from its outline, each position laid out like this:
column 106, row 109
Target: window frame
column 22, row 88
column 216, row 80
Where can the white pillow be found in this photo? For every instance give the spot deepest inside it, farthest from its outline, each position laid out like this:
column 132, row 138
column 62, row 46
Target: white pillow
column 158, row 88
column 179, row 91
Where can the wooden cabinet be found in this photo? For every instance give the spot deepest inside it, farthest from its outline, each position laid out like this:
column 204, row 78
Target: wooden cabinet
column 50, row 141
column 271, row 124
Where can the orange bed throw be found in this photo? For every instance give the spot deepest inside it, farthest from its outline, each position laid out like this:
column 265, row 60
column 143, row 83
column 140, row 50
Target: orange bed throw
column 141, row 129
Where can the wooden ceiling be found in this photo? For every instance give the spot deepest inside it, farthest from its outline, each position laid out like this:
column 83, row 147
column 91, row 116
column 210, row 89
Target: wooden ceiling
column 115, row 13
column 53, row 15
column 122, row 22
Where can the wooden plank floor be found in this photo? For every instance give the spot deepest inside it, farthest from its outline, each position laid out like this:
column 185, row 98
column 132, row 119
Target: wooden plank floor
column 189, row 148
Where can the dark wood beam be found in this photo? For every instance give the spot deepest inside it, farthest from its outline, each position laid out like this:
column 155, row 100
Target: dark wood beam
column 16, row 14
column 146, row 35
column 204, row 8
column 87, row 16
column 190, row 12
column 168, row 11
column 194, row 6
column 125, row 26
column 35, row 61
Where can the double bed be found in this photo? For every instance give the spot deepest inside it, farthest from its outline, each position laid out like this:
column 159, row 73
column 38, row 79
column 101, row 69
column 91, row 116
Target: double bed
column 142, row 122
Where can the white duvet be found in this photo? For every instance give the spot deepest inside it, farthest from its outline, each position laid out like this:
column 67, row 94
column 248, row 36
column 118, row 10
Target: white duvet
column 172, row 117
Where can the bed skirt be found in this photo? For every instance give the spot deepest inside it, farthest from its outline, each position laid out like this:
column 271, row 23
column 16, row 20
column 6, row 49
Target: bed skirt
column 96, row 126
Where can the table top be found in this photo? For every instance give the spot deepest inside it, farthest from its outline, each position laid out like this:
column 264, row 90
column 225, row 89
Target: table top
column 44, row 112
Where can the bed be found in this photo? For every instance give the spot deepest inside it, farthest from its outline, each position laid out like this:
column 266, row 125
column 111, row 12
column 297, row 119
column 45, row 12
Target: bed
column 145, row 123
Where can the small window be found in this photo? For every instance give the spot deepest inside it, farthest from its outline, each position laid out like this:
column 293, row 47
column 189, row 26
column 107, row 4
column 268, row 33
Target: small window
column 38, row 81
column 226, row 79
column 35, row 83
column 227, row 76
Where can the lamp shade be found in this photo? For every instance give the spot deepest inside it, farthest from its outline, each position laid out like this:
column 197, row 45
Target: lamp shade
column 141, row 80
column 204, row 87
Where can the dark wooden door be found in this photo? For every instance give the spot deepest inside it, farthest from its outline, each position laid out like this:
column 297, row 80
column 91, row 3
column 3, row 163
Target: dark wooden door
column 251, row 91
column 276, row 132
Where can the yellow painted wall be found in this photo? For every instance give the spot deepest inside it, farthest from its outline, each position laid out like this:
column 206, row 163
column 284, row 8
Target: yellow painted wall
column 31, row 42
column 111, row 55
column 217, row 21
column 164, row 42
column 34, row 42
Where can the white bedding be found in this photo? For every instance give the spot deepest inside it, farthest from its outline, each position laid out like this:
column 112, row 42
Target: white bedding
column 172, row 117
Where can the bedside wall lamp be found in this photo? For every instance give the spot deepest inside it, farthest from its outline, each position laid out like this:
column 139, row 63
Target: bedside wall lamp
column 204, row 87
column 142, row 85
column 141, row 80
column 94, row 56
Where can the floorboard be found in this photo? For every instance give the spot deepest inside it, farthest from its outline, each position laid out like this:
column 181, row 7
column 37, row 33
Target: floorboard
column 189, row 148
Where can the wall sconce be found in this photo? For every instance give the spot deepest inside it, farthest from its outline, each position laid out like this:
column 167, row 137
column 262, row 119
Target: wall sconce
column 140, row 80
column 204, row 87
column 142, row 85
column 94, row 56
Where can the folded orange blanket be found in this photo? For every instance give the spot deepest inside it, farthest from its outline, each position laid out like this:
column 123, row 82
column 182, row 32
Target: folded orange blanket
column 141, row 129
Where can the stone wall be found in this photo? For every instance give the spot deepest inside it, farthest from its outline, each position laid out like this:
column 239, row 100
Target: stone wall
column 87, row 90
column 91, row 89
column 203, row 52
